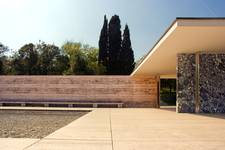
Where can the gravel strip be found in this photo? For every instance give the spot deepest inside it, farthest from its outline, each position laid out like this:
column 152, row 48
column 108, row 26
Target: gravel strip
column 34, row 124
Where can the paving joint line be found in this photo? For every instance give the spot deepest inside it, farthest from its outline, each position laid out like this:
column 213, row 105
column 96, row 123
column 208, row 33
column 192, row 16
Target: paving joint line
column 60, row 139
column 111, row 129
column 32, row 144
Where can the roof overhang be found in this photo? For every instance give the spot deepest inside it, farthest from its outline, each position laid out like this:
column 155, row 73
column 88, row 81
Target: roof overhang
column 185, row 35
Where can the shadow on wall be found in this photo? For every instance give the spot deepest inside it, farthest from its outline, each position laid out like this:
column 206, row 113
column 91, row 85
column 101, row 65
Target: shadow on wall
column 216, row 115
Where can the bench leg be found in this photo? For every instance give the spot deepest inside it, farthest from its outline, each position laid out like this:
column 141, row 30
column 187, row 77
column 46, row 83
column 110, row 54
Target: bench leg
column 1, row 104
column 70, row 105
column 23, row 104
column 120, row 105
column 46, row 105
column 95, row 105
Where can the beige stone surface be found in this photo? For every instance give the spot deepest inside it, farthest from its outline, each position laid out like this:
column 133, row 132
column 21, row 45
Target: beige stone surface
column 16, row 143
column 138, row 129
column 93, row 126
column 45, row 108
column 71, row 145
column 156, row 129
column 131, row 91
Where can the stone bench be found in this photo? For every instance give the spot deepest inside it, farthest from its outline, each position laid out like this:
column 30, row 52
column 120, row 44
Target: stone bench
column 68, row 104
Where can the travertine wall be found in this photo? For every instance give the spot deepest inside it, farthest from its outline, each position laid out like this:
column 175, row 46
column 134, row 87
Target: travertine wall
column 201, row 85
column 133, row 91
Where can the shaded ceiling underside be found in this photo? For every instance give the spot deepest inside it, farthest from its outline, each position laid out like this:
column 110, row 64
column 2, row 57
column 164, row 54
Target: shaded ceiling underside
column 183, row 36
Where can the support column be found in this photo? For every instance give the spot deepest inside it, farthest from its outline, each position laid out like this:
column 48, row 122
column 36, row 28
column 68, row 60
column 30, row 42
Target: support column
column 197, row 101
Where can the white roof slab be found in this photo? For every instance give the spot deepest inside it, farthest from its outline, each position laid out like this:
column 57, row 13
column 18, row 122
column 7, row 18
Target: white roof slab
column 185, row 35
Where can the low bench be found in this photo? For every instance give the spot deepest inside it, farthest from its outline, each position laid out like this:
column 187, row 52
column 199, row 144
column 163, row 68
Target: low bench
column 60, row 103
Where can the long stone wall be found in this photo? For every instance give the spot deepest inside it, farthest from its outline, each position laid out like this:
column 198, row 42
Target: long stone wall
column 201, row 85
column 132, row 91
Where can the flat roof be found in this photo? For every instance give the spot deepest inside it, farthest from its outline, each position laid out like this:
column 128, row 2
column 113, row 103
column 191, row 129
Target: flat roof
column 184, row 35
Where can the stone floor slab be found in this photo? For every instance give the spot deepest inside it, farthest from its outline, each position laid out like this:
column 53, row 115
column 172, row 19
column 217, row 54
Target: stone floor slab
column 138, row 129
column 16, row 143
column 51, row 144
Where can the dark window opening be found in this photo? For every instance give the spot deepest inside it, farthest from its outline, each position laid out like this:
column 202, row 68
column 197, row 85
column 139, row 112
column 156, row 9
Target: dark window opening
column 167, row 92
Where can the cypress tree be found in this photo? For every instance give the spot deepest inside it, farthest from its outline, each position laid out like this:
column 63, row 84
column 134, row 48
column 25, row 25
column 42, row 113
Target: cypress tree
column 126, row 57
column 114, row 34
column 103, row 44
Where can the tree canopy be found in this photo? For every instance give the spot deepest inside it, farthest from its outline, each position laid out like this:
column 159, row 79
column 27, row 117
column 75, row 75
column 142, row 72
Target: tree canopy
column 115, row 52
column 72, row 58
column 126, row 56
column 3, row 49
column 114, row 57
column 103, row 44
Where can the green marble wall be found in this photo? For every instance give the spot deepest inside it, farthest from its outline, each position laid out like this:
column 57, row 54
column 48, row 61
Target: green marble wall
column 209, row 94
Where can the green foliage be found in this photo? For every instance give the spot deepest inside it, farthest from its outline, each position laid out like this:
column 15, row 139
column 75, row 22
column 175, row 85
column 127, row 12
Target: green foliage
column 103, row 56
column 3, row 49
column 47, row 59
column 25, row 62
column 40, row 59
column 83, row 59
column 115, row 56
column 8, row 67
column 126, row 56
column 114, row 53
column 1, row 67
column 49, row 54
column 60, row 64
column 72, row 50
column 114, row 45
column 92, row 62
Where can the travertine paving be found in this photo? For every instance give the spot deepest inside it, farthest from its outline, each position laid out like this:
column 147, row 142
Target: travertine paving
column 137, row 129
column 16, row 143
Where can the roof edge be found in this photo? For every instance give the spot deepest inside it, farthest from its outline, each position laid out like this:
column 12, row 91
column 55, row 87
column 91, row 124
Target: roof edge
column 167, row 30
column 154, row 46
column 200, row 18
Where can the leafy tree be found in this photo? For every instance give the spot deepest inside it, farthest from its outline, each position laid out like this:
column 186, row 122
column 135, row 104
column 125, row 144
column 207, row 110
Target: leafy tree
column 48, row 59
column 92, row 61
column 48, row 56
column 83, row 59
column 73, row 51
column 3, row 49
column 81, row 65
column 25, row 61
column 8, row 67
column 60, row 64
column 126, row 57
column 114, row 45
column 103, row 44
column 1, row 67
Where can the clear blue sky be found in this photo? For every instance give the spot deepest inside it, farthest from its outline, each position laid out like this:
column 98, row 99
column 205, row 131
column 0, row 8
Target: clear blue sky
column 56, row 21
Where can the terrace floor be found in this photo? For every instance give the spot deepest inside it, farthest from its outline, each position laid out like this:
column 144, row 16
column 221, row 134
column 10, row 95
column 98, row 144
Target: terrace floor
column 132, row 129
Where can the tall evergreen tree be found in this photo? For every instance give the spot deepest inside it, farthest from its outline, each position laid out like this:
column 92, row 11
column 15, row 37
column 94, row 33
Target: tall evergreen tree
column 103, row 45
column 114, row 45
column 126, row 57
